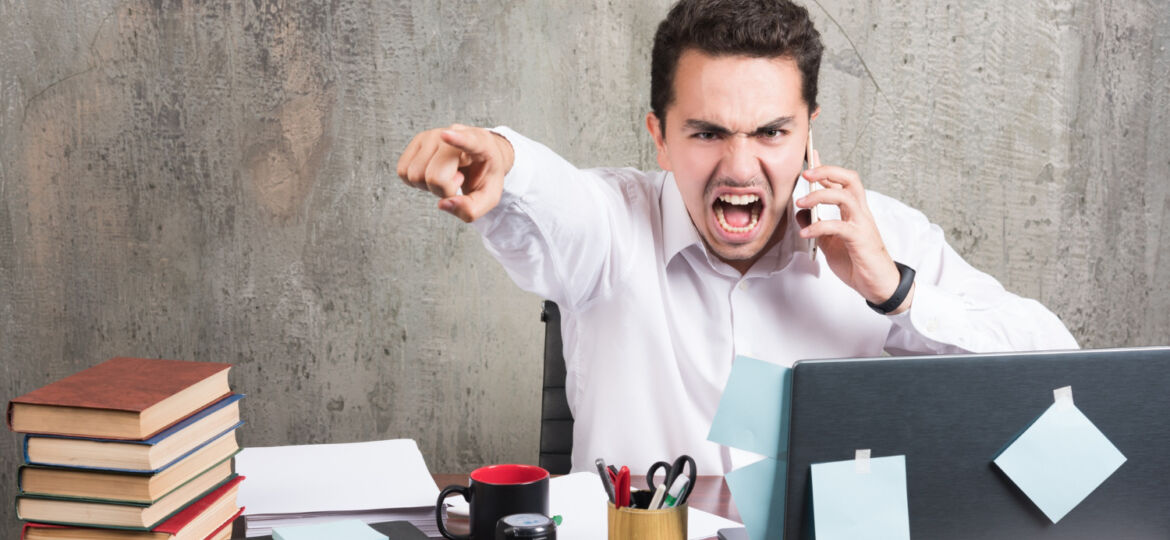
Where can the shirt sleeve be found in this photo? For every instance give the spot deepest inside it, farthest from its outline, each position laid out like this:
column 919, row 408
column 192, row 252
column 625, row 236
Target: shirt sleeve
column 957, row 308
column 557, row 228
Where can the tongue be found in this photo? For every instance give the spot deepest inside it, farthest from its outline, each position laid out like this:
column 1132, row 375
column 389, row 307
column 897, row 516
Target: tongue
column 737, row 215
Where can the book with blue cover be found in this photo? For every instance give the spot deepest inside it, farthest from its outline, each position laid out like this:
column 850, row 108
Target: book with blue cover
column 146, row 456
column 86, row 484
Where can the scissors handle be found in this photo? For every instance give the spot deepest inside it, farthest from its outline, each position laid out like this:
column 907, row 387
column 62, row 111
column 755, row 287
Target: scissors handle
column 654, row 470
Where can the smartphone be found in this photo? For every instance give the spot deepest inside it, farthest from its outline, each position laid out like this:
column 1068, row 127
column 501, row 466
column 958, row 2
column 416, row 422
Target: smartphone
column 810, row 159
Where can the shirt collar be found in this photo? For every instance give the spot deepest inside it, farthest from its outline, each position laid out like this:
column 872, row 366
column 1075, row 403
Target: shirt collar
column 678, row 233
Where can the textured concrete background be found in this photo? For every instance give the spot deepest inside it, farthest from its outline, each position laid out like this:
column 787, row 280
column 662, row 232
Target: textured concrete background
column 213, row 180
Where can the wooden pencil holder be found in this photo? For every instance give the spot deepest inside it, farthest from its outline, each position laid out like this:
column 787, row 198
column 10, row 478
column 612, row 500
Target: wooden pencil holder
column 637, row 524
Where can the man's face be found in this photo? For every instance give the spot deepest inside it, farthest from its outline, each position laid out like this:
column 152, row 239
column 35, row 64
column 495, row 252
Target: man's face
column 735, row 140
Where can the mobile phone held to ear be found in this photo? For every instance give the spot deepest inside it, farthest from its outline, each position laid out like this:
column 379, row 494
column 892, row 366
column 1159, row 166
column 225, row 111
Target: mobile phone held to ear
column 810, row 158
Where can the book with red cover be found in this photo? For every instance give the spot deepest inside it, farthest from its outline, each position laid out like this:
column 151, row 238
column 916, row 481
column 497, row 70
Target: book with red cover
column 173, row 525
column 121, row 398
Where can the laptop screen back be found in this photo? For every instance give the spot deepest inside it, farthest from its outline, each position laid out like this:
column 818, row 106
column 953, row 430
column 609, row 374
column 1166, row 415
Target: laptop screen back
column 951, row 415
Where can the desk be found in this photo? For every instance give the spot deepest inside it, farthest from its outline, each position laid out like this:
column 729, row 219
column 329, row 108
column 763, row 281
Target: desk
column 710, row 495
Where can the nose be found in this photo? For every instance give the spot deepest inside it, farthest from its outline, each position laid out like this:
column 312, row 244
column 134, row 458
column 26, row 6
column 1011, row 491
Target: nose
column 740, row 161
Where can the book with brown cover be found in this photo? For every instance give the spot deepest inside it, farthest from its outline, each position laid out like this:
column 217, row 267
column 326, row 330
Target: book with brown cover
column 121, row 398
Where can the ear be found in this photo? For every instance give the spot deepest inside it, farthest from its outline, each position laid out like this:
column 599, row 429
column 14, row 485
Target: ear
column 814, row 115
column 655, row 129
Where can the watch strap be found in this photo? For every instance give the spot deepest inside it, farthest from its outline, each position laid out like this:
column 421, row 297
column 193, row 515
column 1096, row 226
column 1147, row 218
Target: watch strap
column 899, row 296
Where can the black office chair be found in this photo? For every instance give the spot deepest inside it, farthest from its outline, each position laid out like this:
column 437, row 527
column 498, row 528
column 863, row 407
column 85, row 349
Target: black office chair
column 556, row 421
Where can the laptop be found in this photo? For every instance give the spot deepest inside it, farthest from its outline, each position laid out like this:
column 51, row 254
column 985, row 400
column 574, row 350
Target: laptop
column 951, row 415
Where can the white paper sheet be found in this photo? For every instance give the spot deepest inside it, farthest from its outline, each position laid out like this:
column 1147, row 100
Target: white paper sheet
column 334, row 477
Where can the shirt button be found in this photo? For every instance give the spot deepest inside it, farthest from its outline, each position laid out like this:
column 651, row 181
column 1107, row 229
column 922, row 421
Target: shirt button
column 743, row 285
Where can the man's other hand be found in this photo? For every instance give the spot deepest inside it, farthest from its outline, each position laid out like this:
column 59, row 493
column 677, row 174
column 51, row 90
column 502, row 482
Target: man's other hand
column 852, row 245
column 463, row 166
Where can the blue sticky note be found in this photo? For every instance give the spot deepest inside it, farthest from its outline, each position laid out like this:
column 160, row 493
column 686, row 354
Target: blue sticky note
column 758, row 491
column 851, row 503
column 349, row 529
column 753, row 412
column 1060, row 459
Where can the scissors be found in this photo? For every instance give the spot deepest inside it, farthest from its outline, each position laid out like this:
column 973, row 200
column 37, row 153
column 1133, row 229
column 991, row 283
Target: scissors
column 621, row 486
column 673, row 471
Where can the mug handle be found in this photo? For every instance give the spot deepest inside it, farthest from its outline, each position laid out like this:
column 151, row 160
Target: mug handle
column 462, row 490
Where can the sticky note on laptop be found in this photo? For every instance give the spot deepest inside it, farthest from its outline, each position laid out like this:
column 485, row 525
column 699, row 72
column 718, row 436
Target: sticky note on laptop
column 1061, row 458
column 753, row 412
column 861, row 498
column 349, row 529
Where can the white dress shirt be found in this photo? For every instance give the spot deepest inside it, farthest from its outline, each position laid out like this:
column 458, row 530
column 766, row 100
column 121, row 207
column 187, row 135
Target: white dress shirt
column 651, row 321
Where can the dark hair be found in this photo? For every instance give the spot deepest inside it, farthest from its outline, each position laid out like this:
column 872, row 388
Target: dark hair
column 756, row 28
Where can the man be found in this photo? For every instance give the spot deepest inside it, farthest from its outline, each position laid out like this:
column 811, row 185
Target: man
column 662, row 278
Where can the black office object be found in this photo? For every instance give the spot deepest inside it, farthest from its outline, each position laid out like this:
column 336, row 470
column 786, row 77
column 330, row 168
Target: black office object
column 951, row 415
column 556, row 421
column 394, row 530
column 526, row 527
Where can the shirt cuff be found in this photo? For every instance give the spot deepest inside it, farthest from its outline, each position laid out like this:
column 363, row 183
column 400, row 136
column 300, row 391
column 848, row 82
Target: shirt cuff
column 934, row 315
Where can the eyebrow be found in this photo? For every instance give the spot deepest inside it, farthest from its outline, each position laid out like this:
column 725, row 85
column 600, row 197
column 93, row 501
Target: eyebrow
column 703, row 125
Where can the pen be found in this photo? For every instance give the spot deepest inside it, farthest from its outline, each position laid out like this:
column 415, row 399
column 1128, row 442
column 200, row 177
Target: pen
column 605, row 481
column 676, row 490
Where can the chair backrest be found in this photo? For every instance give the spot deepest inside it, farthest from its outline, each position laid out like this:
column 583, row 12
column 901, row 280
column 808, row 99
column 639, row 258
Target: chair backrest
column 556, row 421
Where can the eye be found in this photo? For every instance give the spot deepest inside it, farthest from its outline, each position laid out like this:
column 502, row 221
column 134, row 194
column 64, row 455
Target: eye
column 705, row 135
column 773, row 133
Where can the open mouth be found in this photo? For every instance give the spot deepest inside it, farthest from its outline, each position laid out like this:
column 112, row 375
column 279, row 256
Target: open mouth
column 738, row 214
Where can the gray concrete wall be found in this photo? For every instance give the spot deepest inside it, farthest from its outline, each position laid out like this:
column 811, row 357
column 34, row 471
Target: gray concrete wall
column 213, row 180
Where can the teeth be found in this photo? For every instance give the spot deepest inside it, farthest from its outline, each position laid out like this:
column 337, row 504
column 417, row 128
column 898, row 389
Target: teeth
column 751, row 224
column 739, row 200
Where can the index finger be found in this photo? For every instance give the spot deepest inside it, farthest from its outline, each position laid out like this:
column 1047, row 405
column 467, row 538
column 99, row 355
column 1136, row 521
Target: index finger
column 833, row 176
column 467, row 140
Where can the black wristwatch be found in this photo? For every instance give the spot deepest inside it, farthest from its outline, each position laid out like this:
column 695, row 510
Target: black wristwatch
column 900, row 293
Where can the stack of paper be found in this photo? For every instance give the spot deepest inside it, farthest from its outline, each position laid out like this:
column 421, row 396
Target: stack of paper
column 373, row 481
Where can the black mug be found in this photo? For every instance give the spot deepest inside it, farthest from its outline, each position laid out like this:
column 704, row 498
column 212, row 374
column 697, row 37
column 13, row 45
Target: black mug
column 497, row 491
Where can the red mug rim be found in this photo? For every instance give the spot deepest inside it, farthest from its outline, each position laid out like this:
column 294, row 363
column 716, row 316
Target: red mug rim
column 509, row 475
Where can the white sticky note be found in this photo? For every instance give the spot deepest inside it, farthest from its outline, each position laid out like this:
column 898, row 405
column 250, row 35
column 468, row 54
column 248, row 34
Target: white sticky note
column 1060, row 459
column 349, row 529
column 850, row 503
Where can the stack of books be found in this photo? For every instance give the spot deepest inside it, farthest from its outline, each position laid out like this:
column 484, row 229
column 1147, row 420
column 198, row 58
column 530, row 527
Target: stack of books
column 130, row 449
